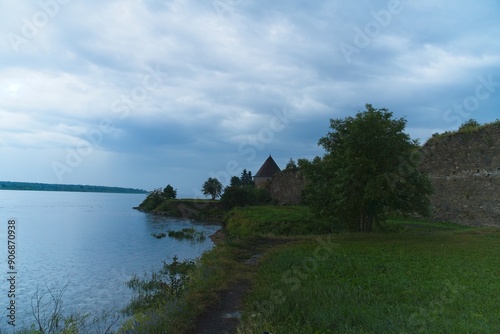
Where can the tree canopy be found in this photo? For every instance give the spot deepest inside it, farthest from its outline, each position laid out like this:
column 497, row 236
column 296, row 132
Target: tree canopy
column 291, row 165
column 212, row 187
column 169, row 192
column 246, row 178
column 368, row 170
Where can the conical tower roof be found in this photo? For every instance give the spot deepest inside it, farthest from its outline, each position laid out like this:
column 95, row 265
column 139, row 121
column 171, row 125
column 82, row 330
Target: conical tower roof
column 268, row 169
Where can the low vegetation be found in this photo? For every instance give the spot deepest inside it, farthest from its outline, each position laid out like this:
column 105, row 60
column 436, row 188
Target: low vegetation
column 161, row 287
column 170, row 301
column 469, row 126
column 159, row 235
column 262, row 221
column 184, row 234
column 187, row 233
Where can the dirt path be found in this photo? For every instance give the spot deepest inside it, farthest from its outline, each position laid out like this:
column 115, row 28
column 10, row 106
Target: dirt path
column 224, row 317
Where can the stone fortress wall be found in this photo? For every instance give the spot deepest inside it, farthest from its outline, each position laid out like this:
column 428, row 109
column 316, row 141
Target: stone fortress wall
column 286, row 187
column 464, row 169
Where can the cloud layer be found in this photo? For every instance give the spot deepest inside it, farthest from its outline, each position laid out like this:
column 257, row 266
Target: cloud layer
column 145, row 93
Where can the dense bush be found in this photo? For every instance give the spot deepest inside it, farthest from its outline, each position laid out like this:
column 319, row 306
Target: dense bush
column 235, row 196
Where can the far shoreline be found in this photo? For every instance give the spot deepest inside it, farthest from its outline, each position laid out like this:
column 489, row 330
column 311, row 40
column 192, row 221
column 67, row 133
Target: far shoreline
column 31, row 186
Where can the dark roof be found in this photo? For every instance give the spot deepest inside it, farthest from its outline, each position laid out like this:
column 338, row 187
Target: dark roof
column 268, row 169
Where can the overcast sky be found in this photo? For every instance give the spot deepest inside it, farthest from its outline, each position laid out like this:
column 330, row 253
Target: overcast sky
column 148, row 93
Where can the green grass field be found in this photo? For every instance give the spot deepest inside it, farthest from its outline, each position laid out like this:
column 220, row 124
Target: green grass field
column 425, row 279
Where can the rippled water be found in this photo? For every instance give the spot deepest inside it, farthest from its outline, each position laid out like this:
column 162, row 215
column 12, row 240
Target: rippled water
column 89, row 243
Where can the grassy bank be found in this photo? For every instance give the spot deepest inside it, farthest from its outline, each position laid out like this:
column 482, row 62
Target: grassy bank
column 213, row 272
column 262, row 221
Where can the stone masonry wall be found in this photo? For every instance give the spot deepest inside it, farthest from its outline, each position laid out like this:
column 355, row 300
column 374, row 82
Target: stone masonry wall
column 467, row 200
column 286, row 187
column 464, row 169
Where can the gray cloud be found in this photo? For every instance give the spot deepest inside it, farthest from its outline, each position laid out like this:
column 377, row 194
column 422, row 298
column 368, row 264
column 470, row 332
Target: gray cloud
column 187, row 87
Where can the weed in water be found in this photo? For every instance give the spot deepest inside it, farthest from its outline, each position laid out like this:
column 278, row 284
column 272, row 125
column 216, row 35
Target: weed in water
column 159, row 235
column 187, row 233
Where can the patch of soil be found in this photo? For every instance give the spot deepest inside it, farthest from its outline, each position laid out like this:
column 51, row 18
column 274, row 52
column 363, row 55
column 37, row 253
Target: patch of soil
column 224, row 317
column 217, row 237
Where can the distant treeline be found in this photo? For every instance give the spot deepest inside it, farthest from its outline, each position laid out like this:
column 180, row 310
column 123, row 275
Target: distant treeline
column 7, row 185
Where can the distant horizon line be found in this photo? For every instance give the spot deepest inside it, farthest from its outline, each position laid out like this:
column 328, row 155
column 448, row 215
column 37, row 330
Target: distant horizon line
column 40, row 186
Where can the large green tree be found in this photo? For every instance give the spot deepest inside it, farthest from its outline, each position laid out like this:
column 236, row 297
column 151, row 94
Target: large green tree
column 369, row 169
column 212, row 187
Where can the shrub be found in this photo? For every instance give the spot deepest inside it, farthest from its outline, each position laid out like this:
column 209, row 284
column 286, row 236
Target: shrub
column 235, row 196
column 153, row 199
column 469, row 125
column 161, row 287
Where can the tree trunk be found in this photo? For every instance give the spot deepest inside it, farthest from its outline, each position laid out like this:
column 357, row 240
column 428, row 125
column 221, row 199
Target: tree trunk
column 365, row 221
column 362, row 220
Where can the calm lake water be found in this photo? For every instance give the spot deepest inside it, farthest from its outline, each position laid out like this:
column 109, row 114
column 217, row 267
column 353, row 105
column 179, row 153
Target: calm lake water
column 89, row 243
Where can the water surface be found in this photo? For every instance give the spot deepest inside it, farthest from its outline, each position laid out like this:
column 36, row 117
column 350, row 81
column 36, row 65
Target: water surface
column 90, row 244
